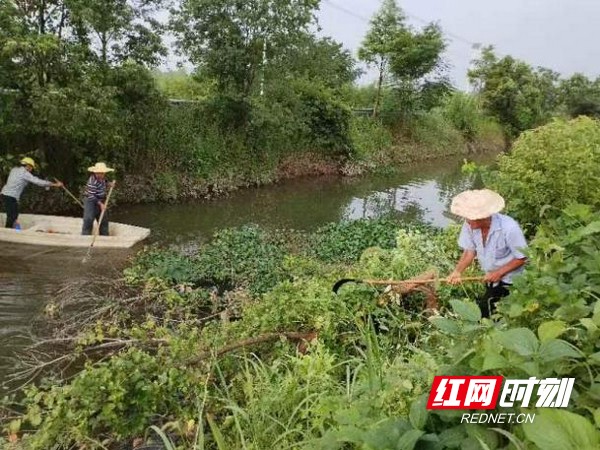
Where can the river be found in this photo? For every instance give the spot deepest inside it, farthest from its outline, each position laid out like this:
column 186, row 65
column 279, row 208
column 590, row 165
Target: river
column 31, row 276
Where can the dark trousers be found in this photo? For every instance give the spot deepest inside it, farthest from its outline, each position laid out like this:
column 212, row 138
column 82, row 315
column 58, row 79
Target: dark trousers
column 91, row 212
column 487, row 302
column 11, row 206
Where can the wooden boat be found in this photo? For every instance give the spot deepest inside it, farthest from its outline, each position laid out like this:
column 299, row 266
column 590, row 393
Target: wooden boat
column 60, row 231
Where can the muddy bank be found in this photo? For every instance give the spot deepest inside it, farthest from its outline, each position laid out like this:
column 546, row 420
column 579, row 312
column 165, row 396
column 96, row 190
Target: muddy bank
column 169, row 186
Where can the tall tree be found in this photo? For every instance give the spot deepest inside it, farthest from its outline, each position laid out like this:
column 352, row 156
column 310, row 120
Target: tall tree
column 398, row 50
column 519, row 96
column 417, row 54
column 231, row 40
column 119, row 30
column 320, row 60
column 71, row 69
column 378, row 44
column 580, row 96
column 52, row 41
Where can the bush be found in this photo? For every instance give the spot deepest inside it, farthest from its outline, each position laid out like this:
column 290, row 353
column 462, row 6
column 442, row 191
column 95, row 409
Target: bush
column 490, row 136
column 244, row 256
column 437, row 134
column 363, row 382
column 360, row 96
column 117, row 397
column 167, row 184
column 167, row 265
column 465, row 114
column 549, row 168
column 345, row 241
column 462, row 110
column 180, row 85
column 327, row 119
column 369, row 137
column 559, row 285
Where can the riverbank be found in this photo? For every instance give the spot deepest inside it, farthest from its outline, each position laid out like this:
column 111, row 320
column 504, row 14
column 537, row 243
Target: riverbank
column 168, row 186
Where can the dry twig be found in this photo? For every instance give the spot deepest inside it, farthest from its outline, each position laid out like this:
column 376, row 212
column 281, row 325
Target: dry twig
column 268, row 337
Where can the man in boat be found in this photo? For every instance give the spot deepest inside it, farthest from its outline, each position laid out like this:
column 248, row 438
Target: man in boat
column 95, row 199
column 495, row 239
column 18, row 179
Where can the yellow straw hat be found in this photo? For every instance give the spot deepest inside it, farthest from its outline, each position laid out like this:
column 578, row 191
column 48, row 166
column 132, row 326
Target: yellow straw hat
column 27, row 160
column 477, row 204
column 100, row 167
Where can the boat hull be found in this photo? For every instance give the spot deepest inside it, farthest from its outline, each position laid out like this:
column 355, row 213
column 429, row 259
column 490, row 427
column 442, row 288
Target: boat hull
column 58, row 231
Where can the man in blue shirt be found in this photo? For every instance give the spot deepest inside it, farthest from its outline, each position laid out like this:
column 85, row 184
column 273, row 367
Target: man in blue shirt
column 496, row 240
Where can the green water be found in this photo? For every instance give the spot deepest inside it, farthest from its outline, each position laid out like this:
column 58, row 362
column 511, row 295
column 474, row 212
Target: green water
column 417, row 193
column 31, row 276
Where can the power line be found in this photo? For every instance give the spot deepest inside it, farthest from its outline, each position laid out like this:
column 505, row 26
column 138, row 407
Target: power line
column 408, row 14
column 347, row 11
column 448, row 51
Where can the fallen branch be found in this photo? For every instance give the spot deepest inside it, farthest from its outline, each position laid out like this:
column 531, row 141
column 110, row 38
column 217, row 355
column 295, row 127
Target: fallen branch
column 304, row 337
column 36, row 362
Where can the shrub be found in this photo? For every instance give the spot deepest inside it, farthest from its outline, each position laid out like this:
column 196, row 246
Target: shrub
column 436, row 133
column 244, row 256
column 117, row 397
column 345, row 241
column 363, row 382
column 549, row 168
column 326, row 117
column 490, row 136
column 167, row 185
column 462, row 110
column 369, row 137
column 561, row 283
column 167, row 265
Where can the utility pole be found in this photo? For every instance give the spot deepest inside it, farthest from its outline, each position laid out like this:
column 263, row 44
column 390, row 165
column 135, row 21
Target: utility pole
column 264, row 65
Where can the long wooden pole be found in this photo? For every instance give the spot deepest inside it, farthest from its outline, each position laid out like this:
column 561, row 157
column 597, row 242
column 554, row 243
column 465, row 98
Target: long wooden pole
column 433, row 280
column 71, row 194
column 343, row 281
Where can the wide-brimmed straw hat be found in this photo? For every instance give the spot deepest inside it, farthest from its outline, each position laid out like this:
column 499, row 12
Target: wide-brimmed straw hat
column 477, row 204
column 100, row 167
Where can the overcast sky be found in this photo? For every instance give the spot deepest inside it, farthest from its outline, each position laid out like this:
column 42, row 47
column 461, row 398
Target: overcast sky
column 558, row 34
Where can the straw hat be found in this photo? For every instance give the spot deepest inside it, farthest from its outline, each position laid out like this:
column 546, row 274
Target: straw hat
column 479, row 204
column 28, row 161
column 100, row 167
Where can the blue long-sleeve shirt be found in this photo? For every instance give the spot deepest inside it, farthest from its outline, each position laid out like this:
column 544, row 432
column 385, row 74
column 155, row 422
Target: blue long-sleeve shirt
column 95, row 189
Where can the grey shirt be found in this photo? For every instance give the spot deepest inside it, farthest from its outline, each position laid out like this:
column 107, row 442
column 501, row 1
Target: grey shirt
column 18, row 178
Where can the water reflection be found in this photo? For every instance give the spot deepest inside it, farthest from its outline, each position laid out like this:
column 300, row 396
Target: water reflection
column 419, row 202
column 419, row 193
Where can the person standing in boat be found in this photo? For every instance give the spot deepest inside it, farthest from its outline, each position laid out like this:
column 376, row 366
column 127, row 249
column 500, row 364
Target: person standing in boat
column 95, row 199
column 18, row 179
